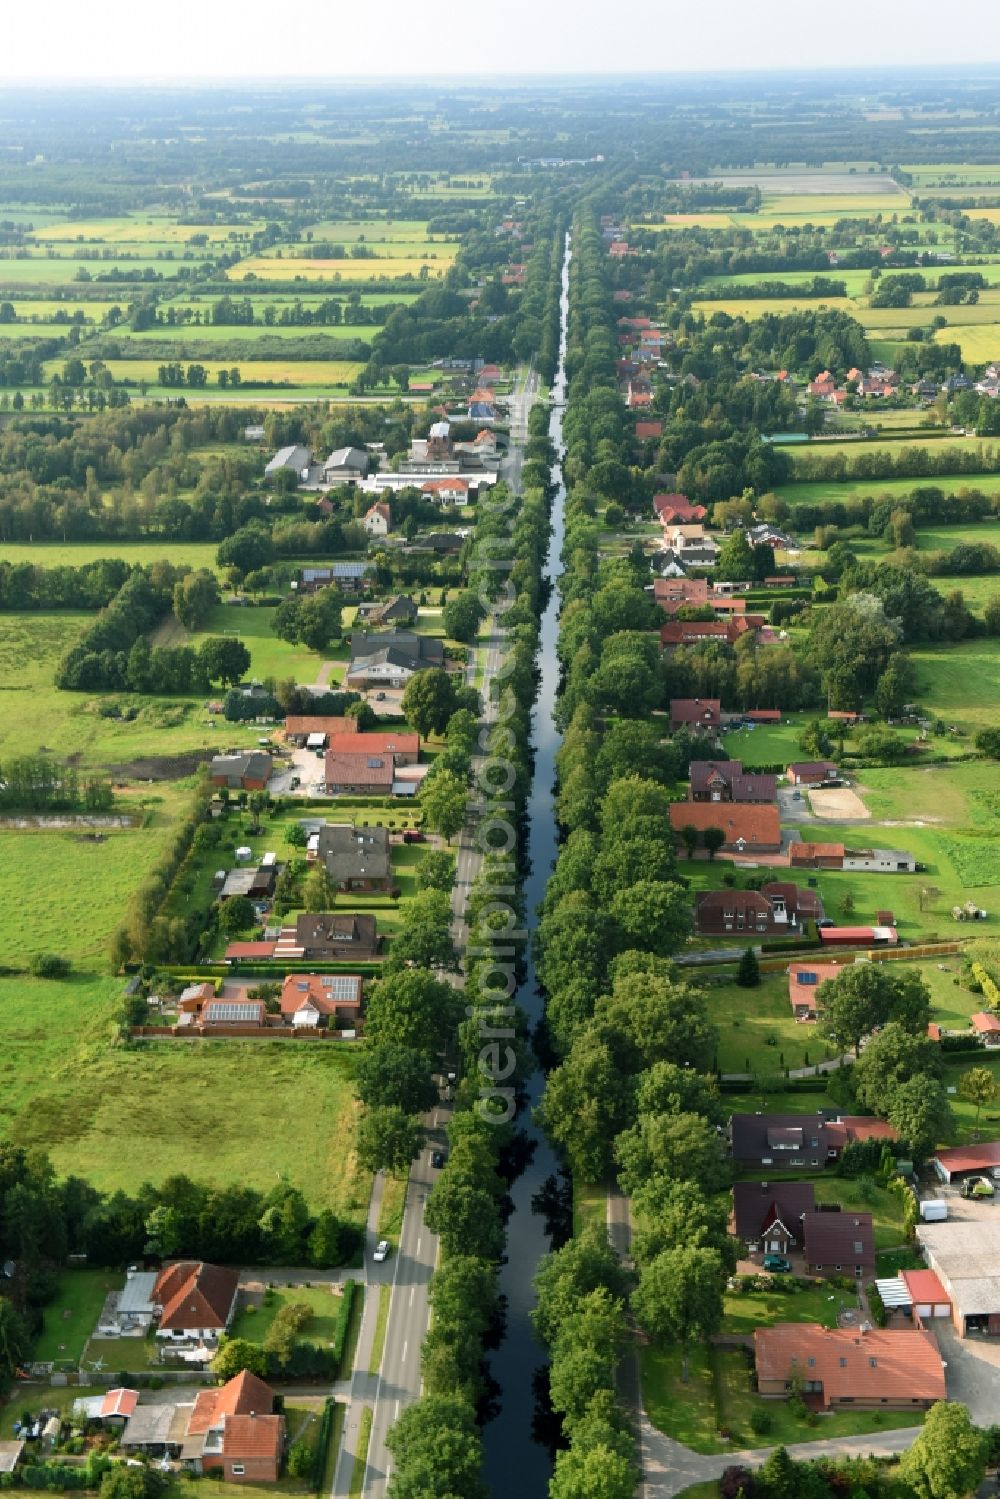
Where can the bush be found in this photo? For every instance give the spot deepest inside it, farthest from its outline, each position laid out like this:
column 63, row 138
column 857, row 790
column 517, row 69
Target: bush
column 761, row 1420
column 50, row 965
column 343, row 1321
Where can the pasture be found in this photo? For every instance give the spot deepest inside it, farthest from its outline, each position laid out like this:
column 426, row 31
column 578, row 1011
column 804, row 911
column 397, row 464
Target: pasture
column 45, row 270
column 846, row 489
column 141, row 228
column 118, row 1117
column 958, row 682
column 220, row 333
column 78, row 553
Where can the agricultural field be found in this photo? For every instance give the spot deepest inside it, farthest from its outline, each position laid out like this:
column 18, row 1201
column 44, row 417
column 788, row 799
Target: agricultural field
column 79, row 553
column 43, row 270
column 980, row 344
column 959, row 682
column 194, row 334
column 278, row 372
column 385, row 268
column 140, row 229
column 844, row 489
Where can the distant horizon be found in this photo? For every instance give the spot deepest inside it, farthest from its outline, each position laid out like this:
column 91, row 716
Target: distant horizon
column 103, row 45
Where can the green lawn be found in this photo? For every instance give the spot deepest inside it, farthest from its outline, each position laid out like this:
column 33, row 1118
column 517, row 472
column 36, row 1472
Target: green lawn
column 959, row 682
column 590, row 1204
column 131, row 1355
column 814, row 491
column 34, row 1398
column 821, row 1303
column 684, row 1411
column 71, row 1316
column 757, row 1030
column 253, row 1322
column 770, row 744
column 78, row 553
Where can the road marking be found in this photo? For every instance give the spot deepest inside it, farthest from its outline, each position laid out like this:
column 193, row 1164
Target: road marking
column 395, row 1416
column 406, row 1345
column 413, row 1291
column 419, row 1242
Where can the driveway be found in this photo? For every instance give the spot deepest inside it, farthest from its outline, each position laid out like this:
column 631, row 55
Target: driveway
column 793, row 805
column 973, row 1371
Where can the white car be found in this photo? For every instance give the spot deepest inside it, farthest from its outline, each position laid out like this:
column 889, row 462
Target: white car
column 381, row 1251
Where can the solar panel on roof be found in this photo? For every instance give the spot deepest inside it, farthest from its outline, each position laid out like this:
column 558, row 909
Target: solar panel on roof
column 340, row 986
column 232, row 1009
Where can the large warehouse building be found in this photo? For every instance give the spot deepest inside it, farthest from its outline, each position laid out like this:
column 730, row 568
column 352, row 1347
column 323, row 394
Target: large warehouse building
column 965, row 1254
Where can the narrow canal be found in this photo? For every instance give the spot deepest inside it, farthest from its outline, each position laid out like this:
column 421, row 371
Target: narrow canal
column 514, row 1460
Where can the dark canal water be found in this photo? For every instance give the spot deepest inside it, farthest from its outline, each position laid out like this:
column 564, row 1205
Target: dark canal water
column 514, row 1461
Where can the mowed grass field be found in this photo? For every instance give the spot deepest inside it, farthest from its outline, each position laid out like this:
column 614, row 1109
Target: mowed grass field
column 78, row 553
column 140, row 228
column 221, row 1111
column 797, row 492
column 61, row 270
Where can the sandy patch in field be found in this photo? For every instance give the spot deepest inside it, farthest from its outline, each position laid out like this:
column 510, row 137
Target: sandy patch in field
column 837, row 804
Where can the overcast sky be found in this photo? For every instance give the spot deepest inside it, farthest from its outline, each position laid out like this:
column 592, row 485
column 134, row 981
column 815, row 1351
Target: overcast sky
column 364, row 38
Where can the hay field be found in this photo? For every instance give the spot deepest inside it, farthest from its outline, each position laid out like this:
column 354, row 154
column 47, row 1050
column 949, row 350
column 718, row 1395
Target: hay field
column 140, row 228
column 979, row 343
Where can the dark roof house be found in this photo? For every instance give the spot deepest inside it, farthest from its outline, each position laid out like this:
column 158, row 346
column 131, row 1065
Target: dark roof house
column 838, row 1243
column 765, row 1213
column 355, row 858
column 727, row 781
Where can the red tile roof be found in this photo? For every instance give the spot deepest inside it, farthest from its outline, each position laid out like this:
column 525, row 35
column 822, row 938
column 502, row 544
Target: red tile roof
column 883, row 1364
column 985, row 1023
column 375, row 744
column 803, row 995
column 923, row 1285
column 300, row 988
column 445, row 486
column 645, row 430
column 119, row 1402
column 194, row 1295
column 297, row 724
column 243, row 1395
column 250, row 950
column 253, row 1437
column 698, row 710
column 969, row 1157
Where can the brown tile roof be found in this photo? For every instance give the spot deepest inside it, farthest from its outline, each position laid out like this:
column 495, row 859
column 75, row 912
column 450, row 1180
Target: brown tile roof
column 298, row 724
column 883, row 1364
column 923, row 1285
column 359, row 770
column 193, row 1294
column 680, row 590
column 119, row 1402
column 821, row 768
column 759, row 825
column 849, row 1128
column 805, row 853
column 253, row 1436
column 684, row 632
column 703, row 710
column 250, row 950
column 845, row 1239
column 756, row 1205
column 969, row 1157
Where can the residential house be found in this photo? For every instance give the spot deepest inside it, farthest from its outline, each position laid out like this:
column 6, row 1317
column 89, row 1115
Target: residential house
column 359, row 775
column 987, row 1027
column 355, row 858
column 481, row 406
column 346, row 466
column 823, row 386
column 727, row 781
column 299, row 728
column 666, row 563
column 696, row 712
column 377, row 519
column 677, row 510
column 812, row 772
column 648, row 431
column 674, row 593
column 777, row 908
column 195, row 1302
column 293, row 459
column 311, row 1000
column 838, row 1243
column 400, row 609
column 450, row 491
column 748, row 829
column 691, row 631
column 767, row 1216
column 326, row 935
column 234, row 1432
column 850, row 1367
column 405, row 747
column 389, row 658
column 703, row 713
column 799, row 1142
column 879, row 861
column 246, row 771
column 193, row 996
column 253, row 432
column 439, row 441
column 639, row 394
column 804, row 980
column 346, row 577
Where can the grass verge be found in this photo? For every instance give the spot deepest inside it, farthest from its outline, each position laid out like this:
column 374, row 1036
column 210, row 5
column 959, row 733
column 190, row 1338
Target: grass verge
column 357, row 1484
column 381, row 1324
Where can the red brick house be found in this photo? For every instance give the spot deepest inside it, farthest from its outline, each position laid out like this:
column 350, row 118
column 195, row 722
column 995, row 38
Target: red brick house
column 748, row 829
column 196, row 1301
column 311, row 1000
column 816, row 855
column 233, row 1432
column 695, row 713
column 363, row 775
column 777, row 908
column 677, row 510
column 727, row 781
column 692, row 631
column 767, row 1216
column 674, row 593
column 838, row 1243
column 875, row 1368
column 812, row 772
column 405, row 747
